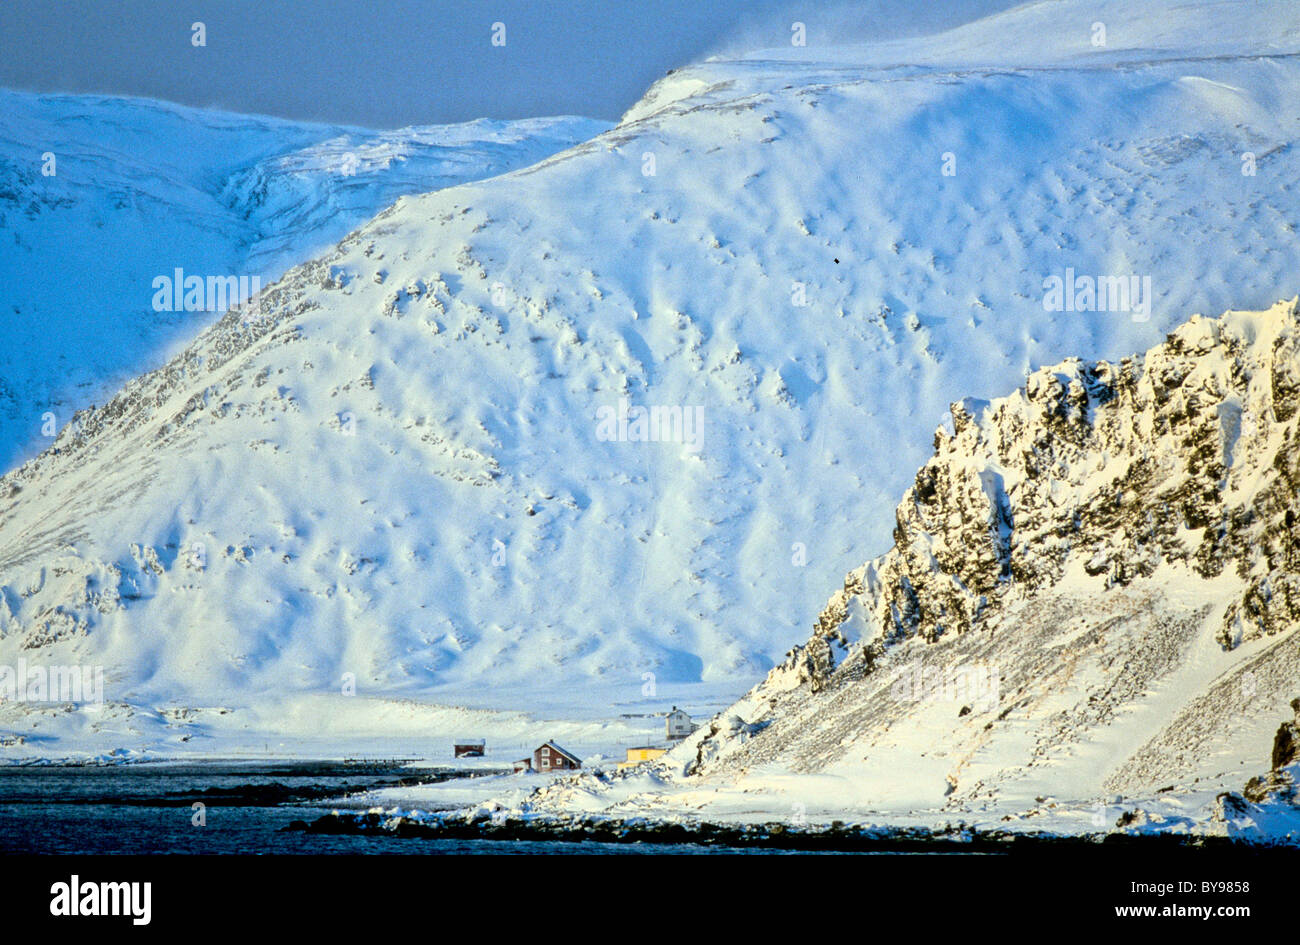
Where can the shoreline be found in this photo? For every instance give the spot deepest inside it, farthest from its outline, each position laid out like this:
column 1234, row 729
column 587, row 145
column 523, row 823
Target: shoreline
column 836, row 837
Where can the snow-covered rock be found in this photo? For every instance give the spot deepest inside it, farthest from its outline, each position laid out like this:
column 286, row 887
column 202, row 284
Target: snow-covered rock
column 1089, row 602
column 1181, row 463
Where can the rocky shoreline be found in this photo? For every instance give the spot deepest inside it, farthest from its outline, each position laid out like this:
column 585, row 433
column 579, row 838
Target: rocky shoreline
column 836, row 837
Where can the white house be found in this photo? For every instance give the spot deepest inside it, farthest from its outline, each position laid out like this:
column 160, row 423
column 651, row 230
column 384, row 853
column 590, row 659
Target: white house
column 679, row 724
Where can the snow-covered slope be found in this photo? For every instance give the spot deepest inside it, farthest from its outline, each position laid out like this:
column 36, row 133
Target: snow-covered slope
column 1091, row 602
column 136, row 188
column 401, row 470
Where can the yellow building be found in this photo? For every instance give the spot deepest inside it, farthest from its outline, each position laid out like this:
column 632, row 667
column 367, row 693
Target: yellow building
column 636, row 756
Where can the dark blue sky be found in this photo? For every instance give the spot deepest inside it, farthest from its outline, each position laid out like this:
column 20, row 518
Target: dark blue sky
column 387, row 63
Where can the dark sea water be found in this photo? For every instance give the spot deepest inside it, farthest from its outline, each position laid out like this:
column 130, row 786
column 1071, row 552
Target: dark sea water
column 148, row 809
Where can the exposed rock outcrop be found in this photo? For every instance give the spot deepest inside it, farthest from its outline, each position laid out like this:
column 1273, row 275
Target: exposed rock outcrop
column 1110, row 552
column 1286, row 744
column 1186, row 456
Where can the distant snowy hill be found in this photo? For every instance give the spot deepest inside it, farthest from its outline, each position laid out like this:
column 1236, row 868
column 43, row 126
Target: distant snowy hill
column 424, row 465
column 139, row 188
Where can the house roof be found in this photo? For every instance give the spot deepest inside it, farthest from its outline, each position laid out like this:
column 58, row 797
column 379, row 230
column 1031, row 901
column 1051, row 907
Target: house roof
column 567, row 754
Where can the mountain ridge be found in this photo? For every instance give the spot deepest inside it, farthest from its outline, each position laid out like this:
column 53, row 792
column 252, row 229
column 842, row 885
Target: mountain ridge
column 104, row 193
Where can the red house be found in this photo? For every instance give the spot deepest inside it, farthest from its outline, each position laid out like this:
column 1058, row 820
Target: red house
column 551, row 757
column 469, row 748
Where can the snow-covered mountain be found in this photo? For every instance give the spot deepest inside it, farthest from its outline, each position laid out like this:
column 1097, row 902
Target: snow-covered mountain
column 1092, row 602
column 101, row 195
column 420, row 461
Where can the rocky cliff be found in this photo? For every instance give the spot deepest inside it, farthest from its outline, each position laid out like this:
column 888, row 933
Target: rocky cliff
column 1184, row 458
column 1092, row 592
